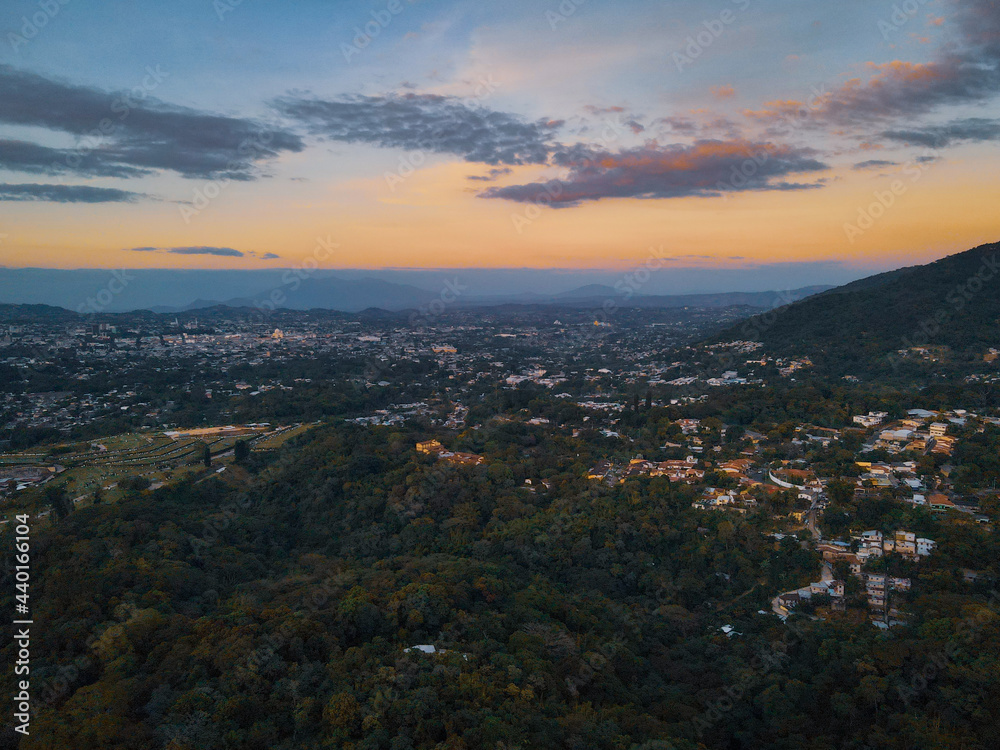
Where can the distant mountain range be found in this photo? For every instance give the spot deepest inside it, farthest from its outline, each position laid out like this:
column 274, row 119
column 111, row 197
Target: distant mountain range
column 352, row 290
column 953, row 303
column 106, row 291
column 329, row 293
column 355, row 295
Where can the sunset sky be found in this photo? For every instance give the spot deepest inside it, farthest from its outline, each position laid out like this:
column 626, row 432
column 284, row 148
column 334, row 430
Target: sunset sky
column 731, row 133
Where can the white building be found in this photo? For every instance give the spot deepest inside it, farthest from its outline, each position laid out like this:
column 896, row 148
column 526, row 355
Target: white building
column 871, row 419
column 925, row 546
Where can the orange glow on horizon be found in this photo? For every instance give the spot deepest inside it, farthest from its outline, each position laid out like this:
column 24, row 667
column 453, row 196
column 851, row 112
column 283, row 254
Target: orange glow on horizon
column 434, row 220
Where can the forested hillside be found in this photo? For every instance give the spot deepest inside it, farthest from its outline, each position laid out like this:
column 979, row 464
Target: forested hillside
column 952, row 303
column 272, row 607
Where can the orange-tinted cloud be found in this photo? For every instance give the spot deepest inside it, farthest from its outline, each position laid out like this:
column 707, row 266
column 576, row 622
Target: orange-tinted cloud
column 707, row 168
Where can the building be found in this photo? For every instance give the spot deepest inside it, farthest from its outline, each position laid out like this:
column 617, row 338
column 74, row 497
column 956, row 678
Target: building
column 679, row 471
column 875, row 588
column 872, row 419
column 430, row 446
column 940, row 503
column 462, row 459
column 905, row 543
column 599, row 471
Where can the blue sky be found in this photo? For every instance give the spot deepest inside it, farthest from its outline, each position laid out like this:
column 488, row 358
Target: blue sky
column 436, row 140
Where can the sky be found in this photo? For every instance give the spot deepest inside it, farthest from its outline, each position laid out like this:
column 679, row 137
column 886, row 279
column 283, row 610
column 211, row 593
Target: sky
column 845, row 137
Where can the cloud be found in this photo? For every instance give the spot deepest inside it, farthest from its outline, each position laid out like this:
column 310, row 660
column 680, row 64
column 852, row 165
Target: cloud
column 426, row 122
column 706, row 125
column 723, row 92
column 678, row 125
column 963, row 73
column 707, row 168
column 125, row 135
column 22, row 156
column 875, row 164
column 225, row 252
column 973, row 129
column 66, row 194
column 492, row 175
column 269, row 256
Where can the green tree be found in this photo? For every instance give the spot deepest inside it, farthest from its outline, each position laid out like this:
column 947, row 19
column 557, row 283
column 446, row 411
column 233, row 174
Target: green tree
column 58, row 499
column 241, row 451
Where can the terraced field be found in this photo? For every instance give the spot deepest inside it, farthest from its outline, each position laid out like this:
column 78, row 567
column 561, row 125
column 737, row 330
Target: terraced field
column 107, row 462
column 280, row 436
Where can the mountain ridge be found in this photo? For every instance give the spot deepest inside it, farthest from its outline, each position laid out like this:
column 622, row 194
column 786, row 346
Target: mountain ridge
column 951, row 303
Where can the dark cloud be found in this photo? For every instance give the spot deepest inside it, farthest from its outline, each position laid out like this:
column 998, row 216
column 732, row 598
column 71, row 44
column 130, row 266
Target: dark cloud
column 678, row 125
column 225, row 252
column 705, row 127
column 875, row 164
column 492, row 175
column 426, row 122
column 974, row 129
column 66, row 194
column 707, row 168
column 132, row 132
column 269, row 256
column 22, row 156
